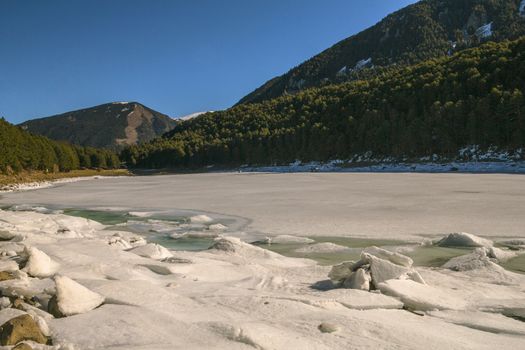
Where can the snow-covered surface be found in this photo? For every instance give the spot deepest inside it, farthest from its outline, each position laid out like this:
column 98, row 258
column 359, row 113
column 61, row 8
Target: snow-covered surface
column 239, row 296
column 372, row 205
column 522, row 8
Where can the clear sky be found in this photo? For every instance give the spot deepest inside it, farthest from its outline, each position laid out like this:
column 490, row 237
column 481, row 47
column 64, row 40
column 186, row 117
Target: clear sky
column 175, row 56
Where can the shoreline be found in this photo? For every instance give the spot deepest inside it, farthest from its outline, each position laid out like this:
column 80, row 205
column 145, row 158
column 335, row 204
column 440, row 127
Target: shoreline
column 37, row 179
column 337, row 166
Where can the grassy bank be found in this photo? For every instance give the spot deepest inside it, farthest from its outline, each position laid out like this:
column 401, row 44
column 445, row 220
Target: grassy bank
column 40, row 176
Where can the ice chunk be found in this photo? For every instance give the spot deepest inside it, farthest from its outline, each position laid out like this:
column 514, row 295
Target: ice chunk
column 39, row 264
column 217, row 227
column 200, row 219
column 152, row 251
column 499, row 254
column 478, row 259
column 325, row 247
column 463, row 239
column 395, row 258
column 383, row 270
column 417, row 296
column 342, row 271
column 73, row 298
column 288, row 239
column 358, row 280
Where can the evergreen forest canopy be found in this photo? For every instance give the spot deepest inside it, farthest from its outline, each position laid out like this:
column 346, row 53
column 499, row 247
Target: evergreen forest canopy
column 425, row 30
column 434, row 107
column 20, row 150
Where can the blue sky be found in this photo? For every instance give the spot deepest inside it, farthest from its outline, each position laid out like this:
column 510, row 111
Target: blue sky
column 177, row 57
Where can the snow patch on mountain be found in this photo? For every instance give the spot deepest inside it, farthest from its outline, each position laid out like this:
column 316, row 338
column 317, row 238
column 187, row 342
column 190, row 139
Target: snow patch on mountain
column 522, row 8
column 193, row 115
column 484, row 31
column 363, row 63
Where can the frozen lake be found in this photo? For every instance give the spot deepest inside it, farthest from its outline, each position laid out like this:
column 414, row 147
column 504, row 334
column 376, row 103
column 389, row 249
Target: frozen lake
column 374, row 205
column 211, row 290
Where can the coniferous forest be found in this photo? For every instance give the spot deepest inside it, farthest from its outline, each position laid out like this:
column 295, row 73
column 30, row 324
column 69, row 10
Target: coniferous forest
column 20, row 150
column 435, row 107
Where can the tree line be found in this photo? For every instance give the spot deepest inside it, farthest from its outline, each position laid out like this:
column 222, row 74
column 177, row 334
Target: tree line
column 435, row 107
column 20, row 150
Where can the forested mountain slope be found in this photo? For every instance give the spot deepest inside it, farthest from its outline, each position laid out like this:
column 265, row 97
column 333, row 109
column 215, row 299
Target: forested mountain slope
column 111, row 125
column 435, row 107
column 427, row 29
column 20, row 150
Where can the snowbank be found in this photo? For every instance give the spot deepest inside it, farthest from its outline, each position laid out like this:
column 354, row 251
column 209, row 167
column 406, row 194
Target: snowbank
column 463, row 239
column 152, row 251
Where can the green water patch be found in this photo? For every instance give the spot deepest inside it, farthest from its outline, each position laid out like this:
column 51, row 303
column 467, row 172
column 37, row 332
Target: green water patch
column 112, row 217
column 435, row 256
column 187, row 244
column 354, row 245
column 516, row 264
column 104, row 217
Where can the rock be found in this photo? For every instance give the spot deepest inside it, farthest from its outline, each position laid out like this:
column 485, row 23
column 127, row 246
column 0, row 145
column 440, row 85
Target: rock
column 6, row 235
column 225, row 245
column 383, row 270
column 52, row 307
column 175, row 260
column 463, row 239
column 22, row 346
column 19, row 329
column 6, row 276
column 394, row 258
column 119, row 242
column 358, row 280
column 342, row 271
column 152, row 251
column 327, row 327
column 39, row 264
column 73, row 298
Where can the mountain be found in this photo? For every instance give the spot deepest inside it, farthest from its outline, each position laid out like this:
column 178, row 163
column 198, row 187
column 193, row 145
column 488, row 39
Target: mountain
column 436, row 107
column 111, row 125
column 427, row 29
column 20, row 150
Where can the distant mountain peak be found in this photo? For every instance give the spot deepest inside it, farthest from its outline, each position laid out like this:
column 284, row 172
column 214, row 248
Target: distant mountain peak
column 111, row 125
